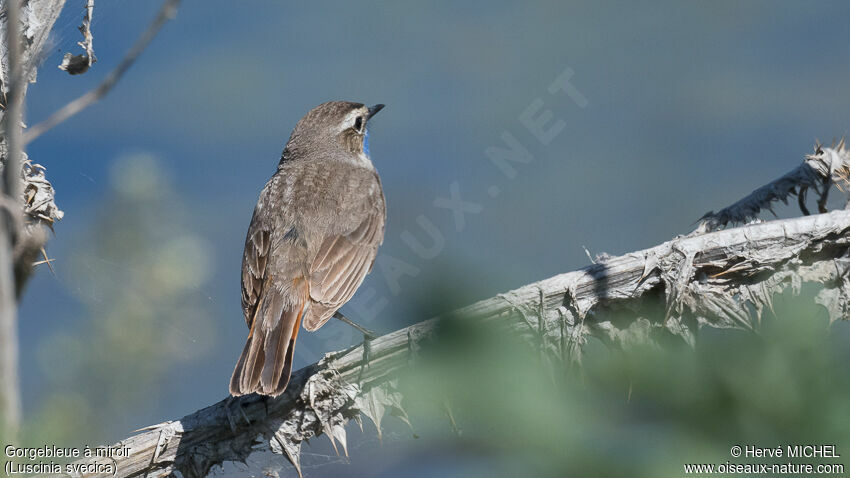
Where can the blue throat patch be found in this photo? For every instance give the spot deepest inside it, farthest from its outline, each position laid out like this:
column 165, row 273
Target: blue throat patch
column 366, row 143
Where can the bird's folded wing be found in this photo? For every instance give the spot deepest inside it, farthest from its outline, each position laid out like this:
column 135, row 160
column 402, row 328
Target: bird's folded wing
column 341, row 263
column 254, row 262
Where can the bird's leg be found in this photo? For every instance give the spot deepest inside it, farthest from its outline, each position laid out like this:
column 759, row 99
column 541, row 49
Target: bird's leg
column 265, row 399
column 368, row 336
column 229, row 412
column 363, row 330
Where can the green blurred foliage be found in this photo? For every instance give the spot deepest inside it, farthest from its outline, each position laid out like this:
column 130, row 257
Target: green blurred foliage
column 641, row 412
column 137, row 272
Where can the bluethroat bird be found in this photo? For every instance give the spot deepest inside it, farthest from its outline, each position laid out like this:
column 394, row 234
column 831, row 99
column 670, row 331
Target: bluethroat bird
column 313, row 238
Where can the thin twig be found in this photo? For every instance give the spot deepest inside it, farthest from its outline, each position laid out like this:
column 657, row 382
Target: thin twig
column 47, row 261
column 166, row 13
column 12, row 121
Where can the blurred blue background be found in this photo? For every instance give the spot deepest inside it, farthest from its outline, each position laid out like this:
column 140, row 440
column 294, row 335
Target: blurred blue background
column 689, row 106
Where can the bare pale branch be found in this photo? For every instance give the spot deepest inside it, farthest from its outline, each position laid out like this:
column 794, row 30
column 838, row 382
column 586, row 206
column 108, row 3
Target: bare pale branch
column 723, row 279
column 26, row 197
column 819, row 171
column 10, row 399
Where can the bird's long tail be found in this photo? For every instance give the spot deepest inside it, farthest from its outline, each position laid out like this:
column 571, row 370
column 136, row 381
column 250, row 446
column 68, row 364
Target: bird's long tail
column 266, row 361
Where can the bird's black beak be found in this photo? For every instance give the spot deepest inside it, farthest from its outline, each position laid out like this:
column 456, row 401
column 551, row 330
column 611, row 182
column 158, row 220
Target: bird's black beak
column 373, row 110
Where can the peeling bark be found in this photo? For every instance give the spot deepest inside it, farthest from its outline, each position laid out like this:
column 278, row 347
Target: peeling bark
column 819, row 171
column 723, row 279
column 37, row 194
column 24, row 27
column 79, row 64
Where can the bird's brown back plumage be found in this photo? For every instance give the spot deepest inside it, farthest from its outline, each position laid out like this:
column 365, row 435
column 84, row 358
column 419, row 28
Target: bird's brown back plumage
column 312, row 240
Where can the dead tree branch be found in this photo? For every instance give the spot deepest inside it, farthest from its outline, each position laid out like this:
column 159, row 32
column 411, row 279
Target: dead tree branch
column 819, row 171
column 723, row 279
column 11, row 190
column 166, row 13
column 25, row 27
column 32, row 189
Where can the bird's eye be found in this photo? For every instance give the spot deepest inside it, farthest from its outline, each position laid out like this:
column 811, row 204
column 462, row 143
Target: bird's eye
column 358, row 124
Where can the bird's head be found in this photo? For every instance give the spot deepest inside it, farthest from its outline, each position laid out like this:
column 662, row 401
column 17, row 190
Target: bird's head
column 335, row 126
